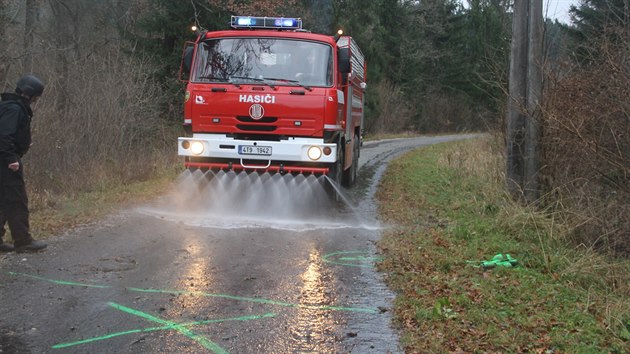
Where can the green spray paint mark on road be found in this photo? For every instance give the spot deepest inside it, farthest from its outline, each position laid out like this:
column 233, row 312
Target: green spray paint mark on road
column 163, row 328
column 60, row 282
column 258, row 300
column 182, row 328
column 359, row 258
column 204, row 294
column 351, row 258
column 205, row 342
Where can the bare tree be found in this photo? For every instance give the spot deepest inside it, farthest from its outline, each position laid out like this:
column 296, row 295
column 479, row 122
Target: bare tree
column 66, row 33
column 30, row 19
column 4, row 22
column 11, row 29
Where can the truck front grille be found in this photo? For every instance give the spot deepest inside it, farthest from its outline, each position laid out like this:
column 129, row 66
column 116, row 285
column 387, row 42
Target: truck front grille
column 248, row 119
column 260, row 125
column 256, row 128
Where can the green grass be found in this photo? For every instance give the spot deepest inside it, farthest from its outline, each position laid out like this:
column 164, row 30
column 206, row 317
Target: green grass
column 448, row 207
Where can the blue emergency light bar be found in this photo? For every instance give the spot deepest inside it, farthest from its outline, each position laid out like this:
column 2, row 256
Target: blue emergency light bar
column 266, row 22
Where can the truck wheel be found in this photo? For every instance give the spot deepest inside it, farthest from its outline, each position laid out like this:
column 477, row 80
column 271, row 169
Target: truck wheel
column 350, row 175
column 336, row 175
column 336, row 171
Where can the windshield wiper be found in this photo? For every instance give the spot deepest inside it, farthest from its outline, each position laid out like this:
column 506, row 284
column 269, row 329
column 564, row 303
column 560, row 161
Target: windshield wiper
column 295, row 82
column 257, row 80
column 212, row 77
column 219, row 79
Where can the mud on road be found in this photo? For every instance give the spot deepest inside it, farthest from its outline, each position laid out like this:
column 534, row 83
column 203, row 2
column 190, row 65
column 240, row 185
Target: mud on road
column 235, row 264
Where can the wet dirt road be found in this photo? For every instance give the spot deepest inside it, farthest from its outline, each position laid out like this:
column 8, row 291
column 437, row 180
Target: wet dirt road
column 239, row 265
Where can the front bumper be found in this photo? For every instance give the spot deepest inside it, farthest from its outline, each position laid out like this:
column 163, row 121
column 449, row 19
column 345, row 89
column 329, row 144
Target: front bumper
column 292, row 150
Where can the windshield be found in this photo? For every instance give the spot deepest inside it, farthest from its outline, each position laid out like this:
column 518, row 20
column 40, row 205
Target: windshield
column 264, row 60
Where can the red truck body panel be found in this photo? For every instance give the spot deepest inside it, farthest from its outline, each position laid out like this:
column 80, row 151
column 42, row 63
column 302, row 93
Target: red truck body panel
column 245, row 103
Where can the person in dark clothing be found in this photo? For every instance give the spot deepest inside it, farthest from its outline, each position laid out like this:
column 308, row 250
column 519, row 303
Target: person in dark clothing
column 15, row 139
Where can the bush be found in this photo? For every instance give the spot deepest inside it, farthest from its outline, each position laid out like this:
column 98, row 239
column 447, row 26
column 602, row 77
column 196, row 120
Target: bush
column 105, row 125
column 586, row 146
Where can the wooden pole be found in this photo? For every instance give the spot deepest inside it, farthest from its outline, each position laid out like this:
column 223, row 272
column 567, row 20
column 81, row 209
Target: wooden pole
column 534, row 93
column 517, row 100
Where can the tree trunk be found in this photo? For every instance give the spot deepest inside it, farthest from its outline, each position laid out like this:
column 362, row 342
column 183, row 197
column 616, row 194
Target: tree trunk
column 4, row 57
column 65, row 26
column 30, row 19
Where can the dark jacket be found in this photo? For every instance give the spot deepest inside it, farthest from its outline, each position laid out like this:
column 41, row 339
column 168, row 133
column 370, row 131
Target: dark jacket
column 15, row 135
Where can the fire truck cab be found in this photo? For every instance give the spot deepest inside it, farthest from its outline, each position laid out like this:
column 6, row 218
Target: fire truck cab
column 268, row 96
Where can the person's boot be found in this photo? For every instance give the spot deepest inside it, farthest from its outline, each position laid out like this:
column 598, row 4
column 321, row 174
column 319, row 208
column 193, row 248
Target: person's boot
column 4, row 247
column 34, row 246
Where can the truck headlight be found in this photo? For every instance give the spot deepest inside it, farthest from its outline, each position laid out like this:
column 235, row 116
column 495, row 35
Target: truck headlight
column 196, row 147
column 314, row 153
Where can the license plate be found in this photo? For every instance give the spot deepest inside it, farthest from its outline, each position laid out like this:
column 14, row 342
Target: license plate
column 254, row 150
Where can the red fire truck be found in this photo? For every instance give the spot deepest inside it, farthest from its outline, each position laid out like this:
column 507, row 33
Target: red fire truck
column 268, row 96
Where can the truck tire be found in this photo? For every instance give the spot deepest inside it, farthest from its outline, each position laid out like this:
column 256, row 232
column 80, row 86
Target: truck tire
column 336, row 175
column 350, row 175
column 336, row 171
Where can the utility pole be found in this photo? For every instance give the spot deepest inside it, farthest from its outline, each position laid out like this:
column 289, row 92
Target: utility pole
column 525, row 89
column 534, row 98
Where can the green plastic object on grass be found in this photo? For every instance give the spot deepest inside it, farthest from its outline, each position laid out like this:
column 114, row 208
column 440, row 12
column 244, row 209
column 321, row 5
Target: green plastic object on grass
column 499, row 260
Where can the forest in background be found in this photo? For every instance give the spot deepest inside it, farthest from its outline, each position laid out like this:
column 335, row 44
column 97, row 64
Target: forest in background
column 112, row 107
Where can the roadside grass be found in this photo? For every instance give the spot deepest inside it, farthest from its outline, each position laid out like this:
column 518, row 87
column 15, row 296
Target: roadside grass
column 448, row 211
column 52, row 214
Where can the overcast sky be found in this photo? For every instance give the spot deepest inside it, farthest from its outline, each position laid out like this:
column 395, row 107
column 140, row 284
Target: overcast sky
column 558, row 9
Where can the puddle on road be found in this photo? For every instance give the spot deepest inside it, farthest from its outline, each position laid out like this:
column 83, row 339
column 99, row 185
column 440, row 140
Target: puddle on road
column 229, row 200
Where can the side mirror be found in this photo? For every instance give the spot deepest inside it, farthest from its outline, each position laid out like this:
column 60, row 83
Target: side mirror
column 186, row 64
column 344, row 60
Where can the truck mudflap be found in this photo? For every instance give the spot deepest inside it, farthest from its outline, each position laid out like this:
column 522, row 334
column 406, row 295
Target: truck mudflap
column 258, row 168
